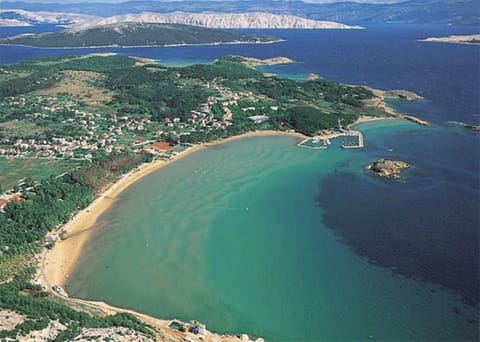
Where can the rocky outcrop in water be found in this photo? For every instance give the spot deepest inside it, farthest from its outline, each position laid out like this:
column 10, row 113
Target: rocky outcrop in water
column 388, row 168
column 402, row 94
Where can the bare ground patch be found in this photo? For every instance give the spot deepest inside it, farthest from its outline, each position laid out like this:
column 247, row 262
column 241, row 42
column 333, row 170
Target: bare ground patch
column 9, row 319
column 80, row 85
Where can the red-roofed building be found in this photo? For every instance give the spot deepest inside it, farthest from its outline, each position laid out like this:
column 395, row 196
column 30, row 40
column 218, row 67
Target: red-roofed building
column 5, row 200
column 3, row 203
column 161, row 146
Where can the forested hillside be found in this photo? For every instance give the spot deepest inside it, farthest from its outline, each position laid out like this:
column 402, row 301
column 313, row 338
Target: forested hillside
column 134, row 34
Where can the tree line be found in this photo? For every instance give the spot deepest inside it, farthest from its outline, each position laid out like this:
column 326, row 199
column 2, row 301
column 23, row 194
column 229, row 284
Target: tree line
column 54, row 200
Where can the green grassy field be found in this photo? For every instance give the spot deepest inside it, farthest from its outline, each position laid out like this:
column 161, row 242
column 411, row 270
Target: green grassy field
column 12, row 170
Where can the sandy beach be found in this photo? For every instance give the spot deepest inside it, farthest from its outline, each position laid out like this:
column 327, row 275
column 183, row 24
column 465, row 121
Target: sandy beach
column 363, row 119
column 56, row 264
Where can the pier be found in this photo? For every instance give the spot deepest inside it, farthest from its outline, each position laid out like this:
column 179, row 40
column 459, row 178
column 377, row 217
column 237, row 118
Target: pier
column 360, row 142
column 309, row 143
column 322, row 141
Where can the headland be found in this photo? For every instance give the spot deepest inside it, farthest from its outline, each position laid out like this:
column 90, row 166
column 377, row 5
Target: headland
column 472, row 39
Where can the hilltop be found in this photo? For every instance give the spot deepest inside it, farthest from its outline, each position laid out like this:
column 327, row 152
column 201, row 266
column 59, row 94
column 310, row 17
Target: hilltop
column 134, row 34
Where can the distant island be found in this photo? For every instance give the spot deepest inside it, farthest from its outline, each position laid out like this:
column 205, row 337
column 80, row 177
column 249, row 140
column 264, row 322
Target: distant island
column 253, row 20
column 460, row 39
column 460, row 12
column 246, row 20
column 18, row 17
column 471, row 127
column 135, row 35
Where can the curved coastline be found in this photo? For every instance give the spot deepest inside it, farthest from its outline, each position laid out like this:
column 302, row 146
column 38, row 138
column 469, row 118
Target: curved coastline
column 56, row 264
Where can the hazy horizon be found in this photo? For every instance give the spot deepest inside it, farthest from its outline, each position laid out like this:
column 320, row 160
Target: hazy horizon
column 122, row 1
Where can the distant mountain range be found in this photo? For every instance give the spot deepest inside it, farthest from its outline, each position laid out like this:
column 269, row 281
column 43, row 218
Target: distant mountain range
column 20, row 17
column 463, row 12
column 135, row 34
column 219, row 20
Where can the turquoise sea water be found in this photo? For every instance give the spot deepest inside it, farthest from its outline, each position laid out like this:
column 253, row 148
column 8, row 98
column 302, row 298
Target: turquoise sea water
column 232, row 236
column 325, row 251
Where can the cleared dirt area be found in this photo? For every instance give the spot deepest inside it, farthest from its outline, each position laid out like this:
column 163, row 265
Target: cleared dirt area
column 9, row 319
column 80, row 85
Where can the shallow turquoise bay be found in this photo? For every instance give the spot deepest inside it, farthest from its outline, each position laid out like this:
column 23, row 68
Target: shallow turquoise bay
column 233, row 236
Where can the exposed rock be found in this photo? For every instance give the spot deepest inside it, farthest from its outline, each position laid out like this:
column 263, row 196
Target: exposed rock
column 388, row 168
column 255, row 62
column 415, row 119
column 18, row 17
column 313, row 77
column 9, row 319
column 475, row 128
column 471, row 127
column 113, row 334
column 460, row 39
column 402, row 94
column 48, row 334
column 380, row 96
column 254, row 20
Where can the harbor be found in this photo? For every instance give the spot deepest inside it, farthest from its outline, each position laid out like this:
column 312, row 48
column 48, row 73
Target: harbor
column 351, row 139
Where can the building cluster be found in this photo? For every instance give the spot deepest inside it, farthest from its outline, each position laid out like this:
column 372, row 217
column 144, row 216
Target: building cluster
column 82, row 132
column 66, row 130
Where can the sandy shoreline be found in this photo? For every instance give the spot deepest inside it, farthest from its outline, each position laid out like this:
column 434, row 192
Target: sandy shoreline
column 56, row 264
column 363, row 119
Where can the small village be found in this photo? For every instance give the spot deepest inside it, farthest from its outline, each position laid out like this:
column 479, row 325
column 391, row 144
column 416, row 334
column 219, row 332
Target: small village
column 79, row 131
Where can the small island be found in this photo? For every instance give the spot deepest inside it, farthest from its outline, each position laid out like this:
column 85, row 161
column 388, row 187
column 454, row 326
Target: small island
column 475, row 128
column 467, row 126
column 472, row 39
column 388, row 168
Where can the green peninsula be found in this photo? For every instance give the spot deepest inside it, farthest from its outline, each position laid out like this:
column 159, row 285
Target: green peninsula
column 135, row 34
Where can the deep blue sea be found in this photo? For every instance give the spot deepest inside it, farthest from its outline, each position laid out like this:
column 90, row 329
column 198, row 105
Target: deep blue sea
column 427, row 227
